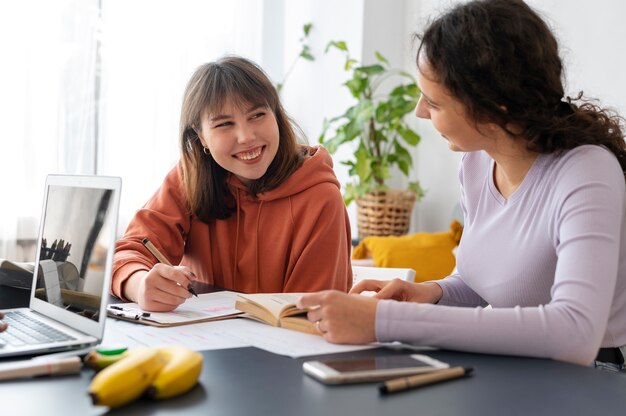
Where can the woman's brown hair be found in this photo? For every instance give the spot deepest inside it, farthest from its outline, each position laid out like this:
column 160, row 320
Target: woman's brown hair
column 243, row 83
column 501, row 60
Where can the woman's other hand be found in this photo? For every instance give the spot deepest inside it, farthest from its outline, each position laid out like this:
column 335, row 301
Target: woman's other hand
column 400, row 290
column 342, row 318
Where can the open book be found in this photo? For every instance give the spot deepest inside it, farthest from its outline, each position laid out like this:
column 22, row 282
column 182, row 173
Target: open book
column 277, row 309
column 16, row 274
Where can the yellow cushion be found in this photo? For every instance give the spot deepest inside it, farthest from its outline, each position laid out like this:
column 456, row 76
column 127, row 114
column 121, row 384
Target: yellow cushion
column 429, row 254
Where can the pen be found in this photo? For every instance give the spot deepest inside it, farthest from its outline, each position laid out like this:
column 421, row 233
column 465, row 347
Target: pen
column 114, row 308
column 411, row 382
column 39, row 367
column 161, row 258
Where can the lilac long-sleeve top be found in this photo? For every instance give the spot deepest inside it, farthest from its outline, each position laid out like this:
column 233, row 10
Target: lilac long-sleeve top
column 550, row 260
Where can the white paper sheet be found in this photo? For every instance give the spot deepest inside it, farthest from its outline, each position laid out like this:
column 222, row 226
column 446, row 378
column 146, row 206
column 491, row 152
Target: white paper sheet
column 287, row 342
column 235, row 333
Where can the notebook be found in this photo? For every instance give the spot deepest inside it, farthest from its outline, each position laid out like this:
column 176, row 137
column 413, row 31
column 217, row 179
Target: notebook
column 69, row 290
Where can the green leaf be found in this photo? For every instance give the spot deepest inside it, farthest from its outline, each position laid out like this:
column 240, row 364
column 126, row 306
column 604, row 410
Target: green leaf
column 362, row 112
column 356, row 86
column 306, row 54
column 333, row 143
column 341, row 45
column 381, row 58
column 307, row 29
column 412, row 90
column 400, row 90
column 417, row 188
column 371, row 69
column 362, row 166
column 409, row 136
column 404, row 159
column 382, row 110
column 349, row 194
column 349, row 64
column 352, row 129
column 402, row 153
column 404, row 167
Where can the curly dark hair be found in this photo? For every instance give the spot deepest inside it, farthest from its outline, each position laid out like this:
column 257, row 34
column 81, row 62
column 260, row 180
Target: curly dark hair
column 501, row 60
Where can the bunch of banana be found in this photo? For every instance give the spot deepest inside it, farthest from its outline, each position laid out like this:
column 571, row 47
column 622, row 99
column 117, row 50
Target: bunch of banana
column 159, row 373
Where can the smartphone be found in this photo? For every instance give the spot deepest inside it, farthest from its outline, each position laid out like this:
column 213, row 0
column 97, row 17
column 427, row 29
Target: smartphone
column 360, row 370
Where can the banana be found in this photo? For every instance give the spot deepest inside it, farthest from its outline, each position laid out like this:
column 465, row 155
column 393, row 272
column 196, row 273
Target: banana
column 179, row 375
column 127, row 379
column 98, row 361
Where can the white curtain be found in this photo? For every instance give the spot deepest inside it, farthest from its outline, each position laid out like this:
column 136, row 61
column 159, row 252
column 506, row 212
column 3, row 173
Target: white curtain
column 95, row 87
column 46, row 107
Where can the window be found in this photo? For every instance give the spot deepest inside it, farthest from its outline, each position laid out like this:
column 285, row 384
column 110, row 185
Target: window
column 95, row 87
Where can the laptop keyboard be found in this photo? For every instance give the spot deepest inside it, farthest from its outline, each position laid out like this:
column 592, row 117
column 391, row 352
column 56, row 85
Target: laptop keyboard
column 24, row 330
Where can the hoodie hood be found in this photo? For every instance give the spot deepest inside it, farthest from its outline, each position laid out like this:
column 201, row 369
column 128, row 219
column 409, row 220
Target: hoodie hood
column 316, row 168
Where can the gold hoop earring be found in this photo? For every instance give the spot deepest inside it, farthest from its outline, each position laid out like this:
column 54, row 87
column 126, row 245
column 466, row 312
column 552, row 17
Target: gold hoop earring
column 206, row 151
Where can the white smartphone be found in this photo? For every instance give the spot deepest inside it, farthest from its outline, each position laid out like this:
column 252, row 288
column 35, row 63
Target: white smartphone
column 360, row 370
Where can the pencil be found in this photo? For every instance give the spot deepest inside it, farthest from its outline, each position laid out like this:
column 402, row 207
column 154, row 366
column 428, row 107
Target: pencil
column 418, row 380
column 162, row 259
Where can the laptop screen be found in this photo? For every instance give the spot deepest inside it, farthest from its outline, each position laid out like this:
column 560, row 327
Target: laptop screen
column 75, row 243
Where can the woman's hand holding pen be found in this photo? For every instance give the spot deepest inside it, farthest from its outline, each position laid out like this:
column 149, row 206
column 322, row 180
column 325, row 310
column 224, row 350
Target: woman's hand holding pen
column 162, row 289
column 401, row 290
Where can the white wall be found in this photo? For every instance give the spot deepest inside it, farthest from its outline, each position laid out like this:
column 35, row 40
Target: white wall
column 313, row 91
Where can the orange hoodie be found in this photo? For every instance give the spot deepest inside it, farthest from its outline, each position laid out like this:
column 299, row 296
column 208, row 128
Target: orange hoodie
column 294, row 238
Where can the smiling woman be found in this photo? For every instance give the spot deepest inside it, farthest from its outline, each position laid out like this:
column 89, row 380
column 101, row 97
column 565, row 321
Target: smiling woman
column 247, row 208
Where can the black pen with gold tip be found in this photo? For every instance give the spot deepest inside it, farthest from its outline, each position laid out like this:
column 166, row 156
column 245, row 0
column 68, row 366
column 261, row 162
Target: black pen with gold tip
column 418, row 380
column 162, row 259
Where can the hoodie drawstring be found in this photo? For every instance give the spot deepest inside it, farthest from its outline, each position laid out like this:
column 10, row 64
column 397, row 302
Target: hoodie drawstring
column 256, row 252
column 236, row 243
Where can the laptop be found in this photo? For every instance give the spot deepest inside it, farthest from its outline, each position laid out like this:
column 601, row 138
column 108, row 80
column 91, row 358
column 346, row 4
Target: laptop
column 72, row 273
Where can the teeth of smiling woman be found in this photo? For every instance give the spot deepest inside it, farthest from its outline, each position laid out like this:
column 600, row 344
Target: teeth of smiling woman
column 250, row 155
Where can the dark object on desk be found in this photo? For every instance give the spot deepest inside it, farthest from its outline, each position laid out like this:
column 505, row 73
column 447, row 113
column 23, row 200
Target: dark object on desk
column 364, row 370
column 610, row 355
column 13, row 297
column 412, row 382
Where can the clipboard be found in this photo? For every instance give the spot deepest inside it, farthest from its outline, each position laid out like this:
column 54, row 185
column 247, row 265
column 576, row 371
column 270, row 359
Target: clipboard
column 206, row 307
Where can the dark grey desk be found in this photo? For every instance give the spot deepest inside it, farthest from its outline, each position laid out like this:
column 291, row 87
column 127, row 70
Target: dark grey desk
column 252, row 382
column 248, row 381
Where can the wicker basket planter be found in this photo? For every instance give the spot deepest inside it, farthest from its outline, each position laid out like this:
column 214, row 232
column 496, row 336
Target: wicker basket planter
column 385, row 212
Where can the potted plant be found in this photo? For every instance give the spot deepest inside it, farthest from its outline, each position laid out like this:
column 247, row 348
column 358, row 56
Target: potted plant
column 376, row 122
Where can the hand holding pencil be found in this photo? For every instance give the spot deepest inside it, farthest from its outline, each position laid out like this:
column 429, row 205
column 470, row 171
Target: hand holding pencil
column 161, row 289
column 165, row 261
